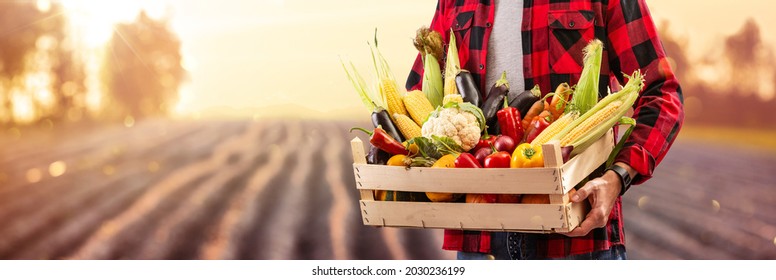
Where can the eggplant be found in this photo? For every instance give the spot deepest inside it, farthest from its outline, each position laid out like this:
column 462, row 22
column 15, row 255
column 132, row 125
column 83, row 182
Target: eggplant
column 381, row 118
column 524, row 100
column 495, row 102
column 468, row 88
column 565, row 153
column 377, row 156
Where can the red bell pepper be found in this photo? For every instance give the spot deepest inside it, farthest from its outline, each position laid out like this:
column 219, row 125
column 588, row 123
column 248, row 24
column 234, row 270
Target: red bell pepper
column 498, row 160
column 485, row 141
column 538, row 124
column 494, row 160
column 466, row 160
column 383, row 141
column 510, row 122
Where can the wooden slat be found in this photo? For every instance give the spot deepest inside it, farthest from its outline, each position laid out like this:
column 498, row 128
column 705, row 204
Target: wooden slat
column 553, row 159
column 359, row 157
column 458, row 180
column 581, row 165
column 552, row 155
column 576, row 212
column 470, row 216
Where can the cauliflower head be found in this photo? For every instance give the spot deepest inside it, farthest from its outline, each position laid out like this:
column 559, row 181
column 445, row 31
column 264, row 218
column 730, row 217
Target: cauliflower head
column 461, row 126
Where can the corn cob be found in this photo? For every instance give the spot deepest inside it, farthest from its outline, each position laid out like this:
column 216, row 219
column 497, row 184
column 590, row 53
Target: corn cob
column 418, row 106
column 457, row 98
column 407, row 126
column 388, row 88
column 555, row 127
column 590, row 126
column 594, row 121
column 391, row 97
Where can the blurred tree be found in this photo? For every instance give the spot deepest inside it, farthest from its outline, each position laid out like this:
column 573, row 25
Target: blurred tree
column 33, row 41
column 676, row 50
column 68, row 85
column 18, row 35
column 142, row 69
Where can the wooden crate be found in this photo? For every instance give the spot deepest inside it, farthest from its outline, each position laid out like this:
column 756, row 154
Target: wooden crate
column 555, row 179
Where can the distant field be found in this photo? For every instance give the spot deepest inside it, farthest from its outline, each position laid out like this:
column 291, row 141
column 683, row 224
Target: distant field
column 757, row 139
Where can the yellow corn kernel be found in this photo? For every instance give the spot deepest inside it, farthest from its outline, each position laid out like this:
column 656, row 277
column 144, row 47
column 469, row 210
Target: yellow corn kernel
column 457, row 98
column 554, row 129
column 591, row 124
column 407, row 126
column 418, row 106
column 450, row 87
column 391, row 97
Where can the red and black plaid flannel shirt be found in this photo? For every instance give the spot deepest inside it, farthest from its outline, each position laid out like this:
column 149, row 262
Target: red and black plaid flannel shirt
column 554, row 32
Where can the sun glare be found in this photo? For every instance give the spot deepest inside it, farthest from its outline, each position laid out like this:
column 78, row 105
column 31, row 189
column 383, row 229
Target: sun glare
column 22, row 106
column 93, row 20
column 43, row 5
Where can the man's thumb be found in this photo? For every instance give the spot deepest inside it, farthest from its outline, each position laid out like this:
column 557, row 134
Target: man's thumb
column 582, row 193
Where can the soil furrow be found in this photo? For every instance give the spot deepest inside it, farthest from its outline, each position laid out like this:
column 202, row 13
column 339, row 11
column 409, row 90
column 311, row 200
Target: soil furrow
column 226, row 239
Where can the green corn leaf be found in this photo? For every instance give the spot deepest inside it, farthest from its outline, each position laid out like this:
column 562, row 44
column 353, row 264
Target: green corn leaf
column 631, row 123
column 360, row 85
column 432, row 81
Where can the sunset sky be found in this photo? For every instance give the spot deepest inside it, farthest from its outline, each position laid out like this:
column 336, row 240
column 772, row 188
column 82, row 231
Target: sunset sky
column 264, row 58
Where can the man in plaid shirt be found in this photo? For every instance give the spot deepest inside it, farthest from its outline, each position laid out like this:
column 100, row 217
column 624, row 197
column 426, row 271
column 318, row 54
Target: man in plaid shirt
column 540, row 42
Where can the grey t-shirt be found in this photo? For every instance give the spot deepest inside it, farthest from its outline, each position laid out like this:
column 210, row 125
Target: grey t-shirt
column 505, row 46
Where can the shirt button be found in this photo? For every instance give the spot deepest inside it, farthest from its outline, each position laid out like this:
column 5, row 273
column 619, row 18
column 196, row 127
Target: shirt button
column 571, row 24
column 482, row 66
column 487, row 24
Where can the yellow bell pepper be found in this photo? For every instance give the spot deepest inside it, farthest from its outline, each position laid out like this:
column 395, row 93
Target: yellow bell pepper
column 397, row 160
column 446, row 161
column 527, row 155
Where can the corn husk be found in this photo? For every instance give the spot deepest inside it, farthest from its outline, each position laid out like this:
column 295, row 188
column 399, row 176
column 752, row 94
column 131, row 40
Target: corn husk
column 586, row 91
column 429, row 44
column 452, row 66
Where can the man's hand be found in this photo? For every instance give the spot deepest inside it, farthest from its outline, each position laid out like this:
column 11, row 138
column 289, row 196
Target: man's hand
column 601, row 192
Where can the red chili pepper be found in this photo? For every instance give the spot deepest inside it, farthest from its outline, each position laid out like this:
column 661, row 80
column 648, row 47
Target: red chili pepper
column 538, row 124
column 510, row 122
column 467, row 160
column 383, row 141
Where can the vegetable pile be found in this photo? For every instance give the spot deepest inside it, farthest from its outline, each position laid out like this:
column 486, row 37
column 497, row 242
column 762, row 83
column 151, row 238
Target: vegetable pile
column 450, row 124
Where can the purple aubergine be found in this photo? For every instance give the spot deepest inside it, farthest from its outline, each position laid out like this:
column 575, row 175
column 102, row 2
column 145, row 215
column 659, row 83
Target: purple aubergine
column 494, row 102
column 524, row 100
column 377, row 156
column 565, row 152
column 381, row 118
column 468, row 88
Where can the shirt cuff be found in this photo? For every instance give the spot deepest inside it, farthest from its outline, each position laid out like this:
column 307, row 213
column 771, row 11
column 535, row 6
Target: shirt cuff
column 640, row 160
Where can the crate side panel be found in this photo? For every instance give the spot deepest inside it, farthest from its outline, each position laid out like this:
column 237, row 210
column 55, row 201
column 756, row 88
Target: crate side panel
column 359, row 157
column 471, row 216
column 458, row 180
column 580, row 166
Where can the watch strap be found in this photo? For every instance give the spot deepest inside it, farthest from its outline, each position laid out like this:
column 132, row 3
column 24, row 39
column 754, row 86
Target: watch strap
column 625, row 177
